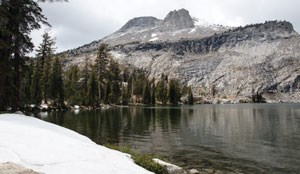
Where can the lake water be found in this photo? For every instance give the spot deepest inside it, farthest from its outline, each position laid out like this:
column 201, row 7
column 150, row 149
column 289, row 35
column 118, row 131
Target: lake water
column 245, row 138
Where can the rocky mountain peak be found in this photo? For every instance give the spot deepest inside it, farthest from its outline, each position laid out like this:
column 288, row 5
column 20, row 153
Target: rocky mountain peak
column 140, row 23
column 177, row 20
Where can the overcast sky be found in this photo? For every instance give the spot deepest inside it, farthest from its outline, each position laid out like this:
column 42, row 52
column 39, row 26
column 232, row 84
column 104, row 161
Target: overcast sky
column 79, row 22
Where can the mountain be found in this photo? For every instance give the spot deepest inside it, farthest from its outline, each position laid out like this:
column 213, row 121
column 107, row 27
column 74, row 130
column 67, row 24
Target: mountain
column 220, row 63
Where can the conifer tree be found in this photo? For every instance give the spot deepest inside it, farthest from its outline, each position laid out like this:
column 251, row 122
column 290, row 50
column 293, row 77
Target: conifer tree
column 101, row 67
column 174, row 91
column 26, row 83
column 84, row 83
column 18, row 19
column 36, row 92
column 153, row 99
column 146, row 93
column 162, row 90
column 72, row 85
column 56, row 84
column 92, row 90
column 115, row 74
column 124, row 95
column 45, row 52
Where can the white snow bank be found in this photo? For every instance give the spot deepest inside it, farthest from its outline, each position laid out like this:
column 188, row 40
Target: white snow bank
column 48, row 148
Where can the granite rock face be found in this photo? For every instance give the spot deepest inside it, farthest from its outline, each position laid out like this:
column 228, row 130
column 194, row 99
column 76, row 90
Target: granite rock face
column 178, row 20
column 236, row 64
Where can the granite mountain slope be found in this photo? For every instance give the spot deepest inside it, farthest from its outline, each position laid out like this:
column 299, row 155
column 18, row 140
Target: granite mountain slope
column 222, row 63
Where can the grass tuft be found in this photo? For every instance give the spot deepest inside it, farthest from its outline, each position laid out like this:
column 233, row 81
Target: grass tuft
column 143, row 160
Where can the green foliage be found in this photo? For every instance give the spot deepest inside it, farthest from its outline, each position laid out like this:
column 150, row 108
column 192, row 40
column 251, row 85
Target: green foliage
column 143, row 160
column 101, row 66
column 17, row 19
column 146, row 93
column 162, row 90
column 92, row 90
column 115, row 80
column 56, row 84
column 72, row 85
column 45, row 53
column 35, row 88
column 174, row 91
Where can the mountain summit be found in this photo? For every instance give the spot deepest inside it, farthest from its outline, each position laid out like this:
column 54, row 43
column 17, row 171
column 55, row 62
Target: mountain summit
column 178, row 24
column 243, row 64
column 178, row 20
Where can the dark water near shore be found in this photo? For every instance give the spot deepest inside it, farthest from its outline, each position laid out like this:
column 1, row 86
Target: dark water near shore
column 246, row 138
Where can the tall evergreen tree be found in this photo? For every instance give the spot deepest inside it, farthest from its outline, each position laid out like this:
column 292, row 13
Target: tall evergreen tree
column 153, row 99
column 18, row 19
column 92, row 90
column 101, row 67
column 174, row 91
column 72, row 85
column 56, row 84
column 36, row 92
column 45, row 52
column 124, row 95
column 26, row 97
column 115, row 74
column 146, row 92
column 162, row 90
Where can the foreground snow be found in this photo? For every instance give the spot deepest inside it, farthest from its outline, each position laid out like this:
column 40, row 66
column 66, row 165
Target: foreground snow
column 47, row 148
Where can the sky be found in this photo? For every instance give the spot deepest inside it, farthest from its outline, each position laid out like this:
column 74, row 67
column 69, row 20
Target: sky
column 79, row 22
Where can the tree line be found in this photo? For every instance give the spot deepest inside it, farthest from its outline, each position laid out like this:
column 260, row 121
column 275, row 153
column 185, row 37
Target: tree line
column 94, row 83
column 24, row 80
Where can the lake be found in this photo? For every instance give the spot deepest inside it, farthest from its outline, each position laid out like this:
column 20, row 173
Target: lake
column 245, row 138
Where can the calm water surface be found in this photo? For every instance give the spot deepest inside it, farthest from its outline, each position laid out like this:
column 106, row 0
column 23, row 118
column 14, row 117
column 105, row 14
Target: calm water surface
column 246, row 138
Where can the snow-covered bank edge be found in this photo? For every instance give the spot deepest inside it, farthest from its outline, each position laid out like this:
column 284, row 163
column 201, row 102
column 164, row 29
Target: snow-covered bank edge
column 48, row 148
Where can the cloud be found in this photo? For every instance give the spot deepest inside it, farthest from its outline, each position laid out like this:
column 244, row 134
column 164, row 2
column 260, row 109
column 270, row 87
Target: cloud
column 81, row 21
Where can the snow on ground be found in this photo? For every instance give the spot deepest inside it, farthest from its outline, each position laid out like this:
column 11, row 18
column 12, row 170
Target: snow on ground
column 50, row 149
column 153, row 34
column 153, row 39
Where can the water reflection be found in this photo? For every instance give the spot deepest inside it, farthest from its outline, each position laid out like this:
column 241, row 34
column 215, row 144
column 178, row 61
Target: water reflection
column 247, row 138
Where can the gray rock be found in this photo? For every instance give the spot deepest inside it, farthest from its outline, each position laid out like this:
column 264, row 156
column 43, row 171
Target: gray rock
column 11, row 168
column 178, row 20
column 194, row 171
column 257, row 62
column 171, row 168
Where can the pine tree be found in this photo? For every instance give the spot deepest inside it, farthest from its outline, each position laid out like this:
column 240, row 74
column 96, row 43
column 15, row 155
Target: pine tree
column 56, row 84
column 101, row 67
column 174, row 91
column 146, row 93
column 162, row 90
column 26, row 97
column 92, row 90
column 72, row 85
column 18, row 19
column 115, row 74
column 45, row 52
column 153, row 99
column 84, row 83
column 36, row 92
column 124, row 95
